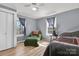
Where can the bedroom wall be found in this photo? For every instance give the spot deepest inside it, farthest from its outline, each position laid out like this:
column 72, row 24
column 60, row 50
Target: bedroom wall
column 42, row 25
column 68, row 21
column 30, row 25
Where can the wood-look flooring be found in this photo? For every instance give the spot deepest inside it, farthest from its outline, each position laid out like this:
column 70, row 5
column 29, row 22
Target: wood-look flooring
column 22, row 50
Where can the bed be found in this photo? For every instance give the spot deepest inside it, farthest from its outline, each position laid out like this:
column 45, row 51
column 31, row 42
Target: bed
column 57, row 48
column 67, row 44
column 69, row 37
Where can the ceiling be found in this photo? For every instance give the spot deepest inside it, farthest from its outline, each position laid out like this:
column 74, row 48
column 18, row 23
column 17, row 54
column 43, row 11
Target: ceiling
column 44, row 10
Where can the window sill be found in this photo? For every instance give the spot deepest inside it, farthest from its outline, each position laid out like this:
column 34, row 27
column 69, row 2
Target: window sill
column 19, row 35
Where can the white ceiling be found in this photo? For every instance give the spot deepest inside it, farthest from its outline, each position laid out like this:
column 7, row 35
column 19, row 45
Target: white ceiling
column 45, row 10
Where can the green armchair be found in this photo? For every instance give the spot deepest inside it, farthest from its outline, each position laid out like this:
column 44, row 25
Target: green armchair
column 32, row 40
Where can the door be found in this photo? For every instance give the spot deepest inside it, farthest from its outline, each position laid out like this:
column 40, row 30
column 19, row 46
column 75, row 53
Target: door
column 3, row 31
column 10, row 32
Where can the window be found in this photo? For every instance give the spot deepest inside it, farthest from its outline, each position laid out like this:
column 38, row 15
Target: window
column 51, row 24
column 20, row 28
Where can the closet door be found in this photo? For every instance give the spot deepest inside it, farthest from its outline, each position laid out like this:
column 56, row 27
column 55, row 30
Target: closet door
column 10, row 32
column 3, row 31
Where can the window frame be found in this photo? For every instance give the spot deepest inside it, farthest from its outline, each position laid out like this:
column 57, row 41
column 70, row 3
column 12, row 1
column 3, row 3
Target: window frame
column 55, row 25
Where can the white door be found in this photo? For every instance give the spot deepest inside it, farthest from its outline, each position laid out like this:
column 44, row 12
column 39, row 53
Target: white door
column 10, row 38
column 2, row 31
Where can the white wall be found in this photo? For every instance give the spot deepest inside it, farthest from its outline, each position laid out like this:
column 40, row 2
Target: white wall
column 30, row 25
column 68, row 21
column 42, row 25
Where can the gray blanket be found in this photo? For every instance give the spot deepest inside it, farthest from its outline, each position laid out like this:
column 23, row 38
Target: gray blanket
column 59, row 49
